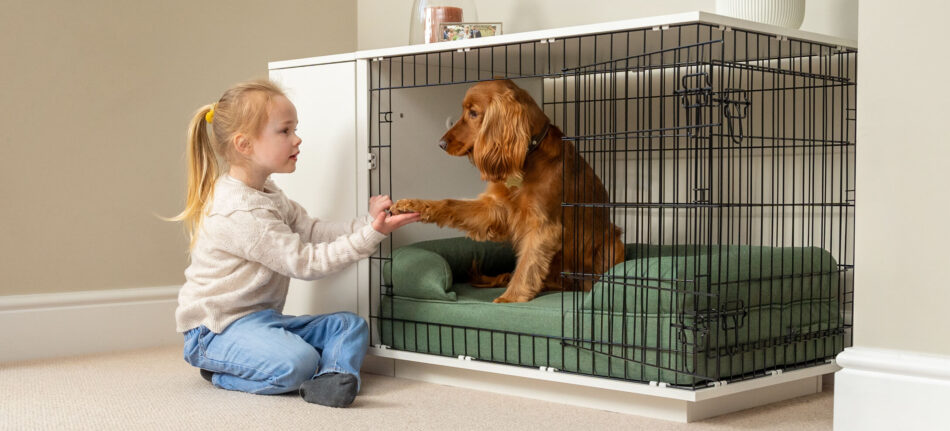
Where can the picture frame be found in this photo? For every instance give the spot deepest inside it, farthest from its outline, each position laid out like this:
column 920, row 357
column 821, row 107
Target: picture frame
column 449, row 31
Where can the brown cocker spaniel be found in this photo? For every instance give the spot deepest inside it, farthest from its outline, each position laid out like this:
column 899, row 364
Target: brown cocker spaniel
column 530, row 171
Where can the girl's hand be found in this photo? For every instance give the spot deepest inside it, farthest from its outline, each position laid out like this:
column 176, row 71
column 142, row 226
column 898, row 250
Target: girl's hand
column 378, row 204
column 385, row 223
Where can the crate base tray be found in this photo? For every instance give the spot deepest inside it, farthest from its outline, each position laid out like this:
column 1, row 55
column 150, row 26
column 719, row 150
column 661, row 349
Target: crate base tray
column 642, row 399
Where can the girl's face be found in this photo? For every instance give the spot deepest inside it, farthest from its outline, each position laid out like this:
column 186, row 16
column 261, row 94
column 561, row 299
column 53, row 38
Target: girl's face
column 276, row 149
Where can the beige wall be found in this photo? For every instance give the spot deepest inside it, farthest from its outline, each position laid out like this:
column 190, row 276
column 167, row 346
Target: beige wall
column 903, row 179
column 834, row 17
column 96, row 96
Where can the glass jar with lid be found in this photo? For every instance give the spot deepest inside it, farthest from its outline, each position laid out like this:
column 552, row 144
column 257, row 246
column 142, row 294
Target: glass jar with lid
column 427, row 16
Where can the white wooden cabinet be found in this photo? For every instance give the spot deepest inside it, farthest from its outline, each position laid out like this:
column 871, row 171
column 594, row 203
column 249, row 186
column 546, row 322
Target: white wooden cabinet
column 334, row 102
column 326, row 176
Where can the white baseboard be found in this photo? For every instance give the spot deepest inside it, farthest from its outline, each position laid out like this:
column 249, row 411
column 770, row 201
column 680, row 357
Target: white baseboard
column 76, row 323
column 881, row 389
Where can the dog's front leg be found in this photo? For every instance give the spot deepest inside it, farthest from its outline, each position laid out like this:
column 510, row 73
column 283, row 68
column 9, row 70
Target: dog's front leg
column 483, row 218
column 535, row 252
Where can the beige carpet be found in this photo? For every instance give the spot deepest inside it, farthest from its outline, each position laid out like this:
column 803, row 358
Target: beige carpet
column 156, row 389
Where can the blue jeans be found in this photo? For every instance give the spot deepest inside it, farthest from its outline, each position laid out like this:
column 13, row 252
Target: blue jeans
column 268, row 353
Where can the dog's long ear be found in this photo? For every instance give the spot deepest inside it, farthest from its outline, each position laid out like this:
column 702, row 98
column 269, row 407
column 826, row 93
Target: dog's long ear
column 503, row 138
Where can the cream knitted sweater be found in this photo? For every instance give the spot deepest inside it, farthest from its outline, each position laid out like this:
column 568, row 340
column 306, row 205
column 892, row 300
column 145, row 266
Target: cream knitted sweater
column 249, row 245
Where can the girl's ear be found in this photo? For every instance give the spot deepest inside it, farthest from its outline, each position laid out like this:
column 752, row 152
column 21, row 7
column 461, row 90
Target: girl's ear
column 242, row 144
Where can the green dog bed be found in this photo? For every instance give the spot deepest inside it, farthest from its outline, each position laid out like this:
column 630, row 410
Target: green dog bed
column 678, row 314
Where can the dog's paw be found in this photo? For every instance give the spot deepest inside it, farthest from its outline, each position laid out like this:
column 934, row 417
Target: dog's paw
column 508, row 298
column 405, row 206
column 402, row 206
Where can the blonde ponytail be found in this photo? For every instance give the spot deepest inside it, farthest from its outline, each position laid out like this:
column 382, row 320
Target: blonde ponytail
column 242, row 109
column 203, row 171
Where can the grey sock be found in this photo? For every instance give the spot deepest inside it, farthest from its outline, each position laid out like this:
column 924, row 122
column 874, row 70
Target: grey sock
column 331, row 389
column 205, row 374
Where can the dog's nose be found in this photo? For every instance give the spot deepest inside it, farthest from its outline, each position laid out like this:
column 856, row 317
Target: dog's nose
column 443, row 144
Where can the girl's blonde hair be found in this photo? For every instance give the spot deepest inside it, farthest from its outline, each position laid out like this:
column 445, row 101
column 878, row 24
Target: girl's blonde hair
column 242, row 109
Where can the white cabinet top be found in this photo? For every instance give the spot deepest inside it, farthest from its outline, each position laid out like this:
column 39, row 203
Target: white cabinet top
column 550, row 34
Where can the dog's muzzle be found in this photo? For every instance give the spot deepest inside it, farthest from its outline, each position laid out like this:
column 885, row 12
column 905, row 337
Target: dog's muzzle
column 443, row 144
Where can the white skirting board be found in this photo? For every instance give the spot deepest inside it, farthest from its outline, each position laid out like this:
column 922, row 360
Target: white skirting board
column 656, row 401
column 77, row 323
column 882, row 389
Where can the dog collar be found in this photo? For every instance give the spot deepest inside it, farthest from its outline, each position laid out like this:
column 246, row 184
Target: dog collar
column 515, row 181
column 536, row 139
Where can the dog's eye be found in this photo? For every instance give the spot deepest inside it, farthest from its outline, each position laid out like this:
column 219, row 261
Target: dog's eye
column 473, row 114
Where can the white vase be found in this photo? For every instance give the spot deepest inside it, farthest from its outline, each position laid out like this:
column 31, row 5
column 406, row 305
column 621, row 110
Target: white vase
column 784, row 13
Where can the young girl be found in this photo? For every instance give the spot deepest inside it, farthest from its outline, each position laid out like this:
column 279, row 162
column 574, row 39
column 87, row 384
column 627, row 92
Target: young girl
column 248, row 239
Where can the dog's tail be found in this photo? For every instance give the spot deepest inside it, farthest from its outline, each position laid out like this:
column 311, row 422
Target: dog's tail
column 610, row 253
column 478, row 279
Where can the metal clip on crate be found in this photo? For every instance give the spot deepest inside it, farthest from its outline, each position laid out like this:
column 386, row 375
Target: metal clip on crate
column 735, row 108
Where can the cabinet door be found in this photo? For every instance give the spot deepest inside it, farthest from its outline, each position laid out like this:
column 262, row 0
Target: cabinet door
column 325, row 180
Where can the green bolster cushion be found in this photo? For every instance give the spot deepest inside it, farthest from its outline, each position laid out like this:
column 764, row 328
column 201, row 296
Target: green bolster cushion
column 666, row 279
column 427, row 269
column 420, row 274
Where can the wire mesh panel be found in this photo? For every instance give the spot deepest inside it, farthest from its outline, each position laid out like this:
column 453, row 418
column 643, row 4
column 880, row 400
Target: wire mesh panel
column 640, row 122
column 728, row 157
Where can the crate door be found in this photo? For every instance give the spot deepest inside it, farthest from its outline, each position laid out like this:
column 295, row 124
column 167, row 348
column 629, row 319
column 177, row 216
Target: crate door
column 643, row 124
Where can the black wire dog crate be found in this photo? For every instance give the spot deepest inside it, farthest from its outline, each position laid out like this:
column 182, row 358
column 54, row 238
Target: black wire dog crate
column 729, row 160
